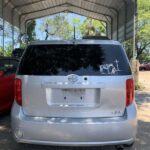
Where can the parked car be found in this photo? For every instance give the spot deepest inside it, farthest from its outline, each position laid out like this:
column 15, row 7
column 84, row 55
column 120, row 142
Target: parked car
column 74, row 93
column 8, row 68
column 17, row 52
column 145, row 66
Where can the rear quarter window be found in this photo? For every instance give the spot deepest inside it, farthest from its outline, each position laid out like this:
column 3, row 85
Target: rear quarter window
column 62, row 60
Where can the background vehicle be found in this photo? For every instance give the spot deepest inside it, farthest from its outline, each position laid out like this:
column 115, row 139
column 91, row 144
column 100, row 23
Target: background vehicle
column 74, row 93
column 17, row 52
column 8, row 68
column 145, row 66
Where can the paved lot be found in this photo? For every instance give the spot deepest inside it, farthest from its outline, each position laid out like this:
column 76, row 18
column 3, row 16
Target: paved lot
column 144, row 79
column 142, row 141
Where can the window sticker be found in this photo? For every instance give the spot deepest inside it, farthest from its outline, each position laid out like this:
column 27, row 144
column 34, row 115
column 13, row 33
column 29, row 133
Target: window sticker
column 111, row 68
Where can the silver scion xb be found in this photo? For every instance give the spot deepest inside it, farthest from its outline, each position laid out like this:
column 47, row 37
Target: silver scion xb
column 74, row 93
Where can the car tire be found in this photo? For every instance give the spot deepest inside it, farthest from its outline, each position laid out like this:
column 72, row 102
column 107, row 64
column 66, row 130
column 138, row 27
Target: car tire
column 22, row 145
column 125, row 147
column 130, row 146
column 120, row 147
column 143, row 69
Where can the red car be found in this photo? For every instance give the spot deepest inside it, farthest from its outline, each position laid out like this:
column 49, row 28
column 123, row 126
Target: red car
column 145, row 66
column 8, row 68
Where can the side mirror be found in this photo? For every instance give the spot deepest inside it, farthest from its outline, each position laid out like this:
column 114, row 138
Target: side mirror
column 1, row 73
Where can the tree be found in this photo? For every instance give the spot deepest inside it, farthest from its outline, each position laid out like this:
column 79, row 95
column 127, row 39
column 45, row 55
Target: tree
column 1, row 51
column 57, row 27
column 143, row 27
column 24, row 38
column 128, row 47
column 31, row 30
column 92, row 27
column 143, row 34
column 7, row 51
column 76, row 27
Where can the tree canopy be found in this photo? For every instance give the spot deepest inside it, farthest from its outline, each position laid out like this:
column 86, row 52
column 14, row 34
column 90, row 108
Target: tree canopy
column 92, row 27
column 60, row 27
column 57, row 27
column 31, row 30
column 143, row 27
column 142, row 33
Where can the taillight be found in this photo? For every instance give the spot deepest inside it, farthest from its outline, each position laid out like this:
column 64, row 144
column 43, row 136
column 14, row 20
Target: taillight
column 129, row 91
column 18, row 91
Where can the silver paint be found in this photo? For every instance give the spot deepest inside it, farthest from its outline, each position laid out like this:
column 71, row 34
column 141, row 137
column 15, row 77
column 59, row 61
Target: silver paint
column 69, row 110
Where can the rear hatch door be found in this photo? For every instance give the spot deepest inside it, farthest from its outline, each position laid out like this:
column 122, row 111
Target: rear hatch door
column 74, row 80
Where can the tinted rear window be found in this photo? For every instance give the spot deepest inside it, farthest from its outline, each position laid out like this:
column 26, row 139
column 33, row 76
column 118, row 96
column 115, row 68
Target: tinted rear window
column 9, row 66
column 62, row 60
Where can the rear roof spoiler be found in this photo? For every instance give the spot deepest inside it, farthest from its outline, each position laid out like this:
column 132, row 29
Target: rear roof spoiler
column 96, row 37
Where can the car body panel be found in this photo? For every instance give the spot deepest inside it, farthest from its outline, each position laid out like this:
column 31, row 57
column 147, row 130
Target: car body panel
column 7, row 92
column 75, row 131
column 74, row 109
column 56, row 96
column 145, row 66
column 7, row 84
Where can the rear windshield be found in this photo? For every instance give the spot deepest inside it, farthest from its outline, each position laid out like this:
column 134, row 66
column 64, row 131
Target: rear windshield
column 62, row 60
column 9, row 66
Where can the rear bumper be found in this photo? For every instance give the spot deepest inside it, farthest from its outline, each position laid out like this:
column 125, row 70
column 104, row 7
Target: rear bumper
column 74, row 131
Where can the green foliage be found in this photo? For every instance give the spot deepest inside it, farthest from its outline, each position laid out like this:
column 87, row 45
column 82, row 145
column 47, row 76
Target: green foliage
column 76, row 25
column 24, row 39
column 31, row 30
column 129, row 48
column 1, row 51
column 144, row 57
column 138, row 86
column 23, row 45
column 143, row 27
column 59, row 27
column 7, row 51
column 92, row 27
column 143, row 33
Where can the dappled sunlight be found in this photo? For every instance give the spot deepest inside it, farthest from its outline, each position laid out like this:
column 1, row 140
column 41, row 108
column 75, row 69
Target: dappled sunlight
column 143, row 104
column 144, row 79
column 141, row 142
column 143, row 136
column 3, row 128
column 144, row 112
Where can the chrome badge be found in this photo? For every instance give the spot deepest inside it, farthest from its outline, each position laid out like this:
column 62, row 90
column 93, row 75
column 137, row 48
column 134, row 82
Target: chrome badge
column 72, row 78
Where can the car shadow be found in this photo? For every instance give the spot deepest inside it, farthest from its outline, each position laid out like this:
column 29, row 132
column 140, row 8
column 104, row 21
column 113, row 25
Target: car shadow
column 143, row 136
column 142, row 97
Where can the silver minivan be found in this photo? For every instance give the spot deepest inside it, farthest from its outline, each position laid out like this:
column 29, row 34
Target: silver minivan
column 74, row 93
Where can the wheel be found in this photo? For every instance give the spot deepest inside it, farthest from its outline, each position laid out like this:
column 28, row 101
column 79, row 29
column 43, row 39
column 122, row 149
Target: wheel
column 119, row 147
column 125, row 147
column 143, row 69
column 129, row 147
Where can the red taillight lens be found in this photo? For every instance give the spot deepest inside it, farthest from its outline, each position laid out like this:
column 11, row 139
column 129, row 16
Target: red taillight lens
column 18, row 91
column 129, row 91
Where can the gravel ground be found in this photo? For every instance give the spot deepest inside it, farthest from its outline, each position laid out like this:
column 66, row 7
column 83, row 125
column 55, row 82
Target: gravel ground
column 142, row 141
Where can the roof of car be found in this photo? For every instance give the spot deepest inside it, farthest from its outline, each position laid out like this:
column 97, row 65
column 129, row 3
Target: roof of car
column 84, row 41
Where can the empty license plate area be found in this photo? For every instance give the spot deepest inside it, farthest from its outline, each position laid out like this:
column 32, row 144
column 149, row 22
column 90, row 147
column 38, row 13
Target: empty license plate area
column 73, row 97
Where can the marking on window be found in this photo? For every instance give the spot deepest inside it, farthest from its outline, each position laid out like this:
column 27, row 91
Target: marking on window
column 111, row 68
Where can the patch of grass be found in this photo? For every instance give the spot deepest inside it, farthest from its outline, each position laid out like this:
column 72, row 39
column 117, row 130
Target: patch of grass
column 139, row 86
